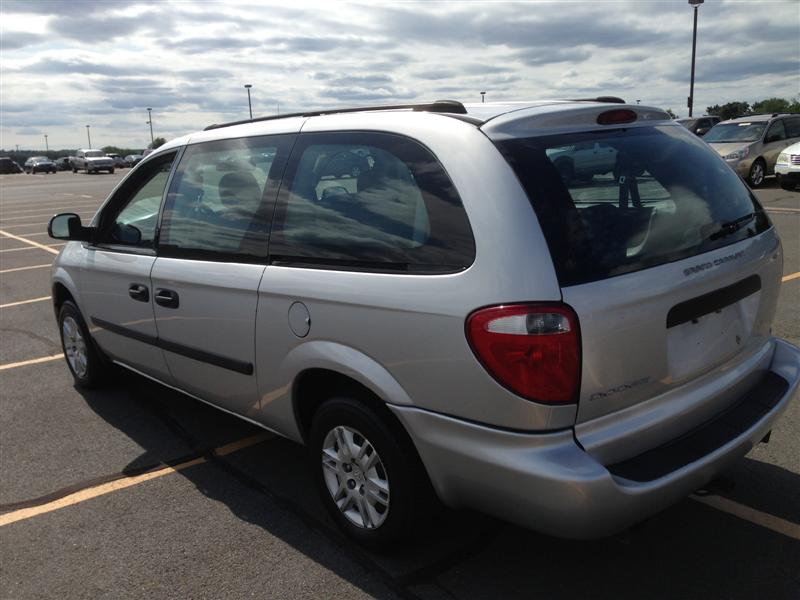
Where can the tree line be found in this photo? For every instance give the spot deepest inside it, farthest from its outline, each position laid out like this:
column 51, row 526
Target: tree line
column 733, row 110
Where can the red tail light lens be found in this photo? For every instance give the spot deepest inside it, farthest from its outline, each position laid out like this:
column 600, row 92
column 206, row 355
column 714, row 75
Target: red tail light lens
column 616, row 116
column 531, row 349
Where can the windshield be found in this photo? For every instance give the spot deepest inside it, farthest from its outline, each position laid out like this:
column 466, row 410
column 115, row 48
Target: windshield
column 94, row 154
column 622, row 200
column 687, row 122
column 736, row 132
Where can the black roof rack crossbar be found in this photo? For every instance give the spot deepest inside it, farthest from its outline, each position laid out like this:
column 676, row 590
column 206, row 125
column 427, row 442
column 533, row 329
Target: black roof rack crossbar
column 440, row 106
column 611, row 99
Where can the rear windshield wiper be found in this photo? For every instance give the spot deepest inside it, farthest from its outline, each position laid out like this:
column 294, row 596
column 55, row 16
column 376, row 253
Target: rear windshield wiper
column 732, row 226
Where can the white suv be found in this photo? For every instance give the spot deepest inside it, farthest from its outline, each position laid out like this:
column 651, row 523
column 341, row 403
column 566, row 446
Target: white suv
column 418, row 295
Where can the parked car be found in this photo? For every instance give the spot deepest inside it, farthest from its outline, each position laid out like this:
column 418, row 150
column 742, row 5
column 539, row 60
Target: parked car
column 448, row 318
column 64, row 163
column 583, row 161
column 119, row 162
column 92, row 161
column 131, row 160
column 750, row 145
column 39, row 164
column 699, row 125
column 8, row 166
column 787, row 167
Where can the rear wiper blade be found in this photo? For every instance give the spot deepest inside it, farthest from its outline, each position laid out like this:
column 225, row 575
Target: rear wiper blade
column 732, row 226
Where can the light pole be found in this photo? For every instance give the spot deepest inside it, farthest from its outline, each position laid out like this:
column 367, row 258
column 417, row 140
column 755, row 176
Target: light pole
column 483, row 97
column 150, row 122
column 46, row 145
column 695, row 4
column 88, row 137
column 247, row 86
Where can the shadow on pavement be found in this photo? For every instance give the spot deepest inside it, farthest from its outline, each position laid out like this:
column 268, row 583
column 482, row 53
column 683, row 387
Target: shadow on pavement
column 688, row 551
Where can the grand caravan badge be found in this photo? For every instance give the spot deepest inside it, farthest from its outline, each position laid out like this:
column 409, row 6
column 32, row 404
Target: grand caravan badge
column 711, row 264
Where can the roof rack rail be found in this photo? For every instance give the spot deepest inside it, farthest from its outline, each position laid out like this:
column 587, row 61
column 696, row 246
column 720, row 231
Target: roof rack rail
column 439, row 106
column 611, row 99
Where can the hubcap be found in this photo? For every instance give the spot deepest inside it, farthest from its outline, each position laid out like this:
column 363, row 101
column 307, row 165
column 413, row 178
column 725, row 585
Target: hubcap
column 355, row 477
column 758, row 174
column 74, row 346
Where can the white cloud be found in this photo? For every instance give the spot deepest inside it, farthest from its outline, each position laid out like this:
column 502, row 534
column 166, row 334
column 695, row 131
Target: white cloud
column 66, row 65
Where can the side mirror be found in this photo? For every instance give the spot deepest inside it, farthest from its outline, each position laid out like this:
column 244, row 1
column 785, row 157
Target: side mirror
column 67, row 226
column 772, row 138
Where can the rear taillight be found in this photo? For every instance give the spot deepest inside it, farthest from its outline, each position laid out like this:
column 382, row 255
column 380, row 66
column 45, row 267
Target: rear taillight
column 616, row 116
column 532, row 349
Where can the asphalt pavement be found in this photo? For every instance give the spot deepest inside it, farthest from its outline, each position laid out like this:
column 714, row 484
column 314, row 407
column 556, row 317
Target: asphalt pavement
column 136, row 491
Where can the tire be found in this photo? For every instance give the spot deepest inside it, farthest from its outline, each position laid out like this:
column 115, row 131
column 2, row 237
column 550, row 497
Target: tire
column 789, row 187
column 395, row 493
column 88, row 367
column 111, row 172
column 758, row 171
column 74, row 170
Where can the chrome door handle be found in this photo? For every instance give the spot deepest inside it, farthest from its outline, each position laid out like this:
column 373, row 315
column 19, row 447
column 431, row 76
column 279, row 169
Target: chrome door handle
column 166, row 298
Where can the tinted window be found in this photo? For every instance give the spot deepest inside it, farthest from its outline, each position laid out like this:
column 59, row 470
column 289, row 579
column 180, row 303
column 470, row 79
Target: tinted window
column 792, row 127
column 659, row 195
column 133, row 214
column 218, row 206
column 370, row 201
column 776, row 132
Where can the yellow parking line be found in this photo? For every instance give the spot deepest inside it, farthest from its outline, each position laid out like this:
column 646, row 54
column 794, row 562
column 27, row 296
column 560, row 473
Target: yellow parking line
column 29, row 248
column 27, row 241
column 24, row 268
column 747, row 513
column 121, row 484
column 790, row 277
column 31, row 301
column 33, row 361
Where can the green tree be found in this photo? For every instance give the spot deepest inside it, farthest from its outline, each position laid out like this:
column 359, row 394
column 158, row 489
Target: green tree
column 671, row 114
column 731, row 110
column 159, row 141
column 777, row 105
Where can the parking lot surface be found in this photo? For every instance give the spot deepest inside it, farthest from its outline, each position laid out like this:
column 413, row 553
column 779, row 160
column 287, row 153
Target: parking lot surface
column 138, row 491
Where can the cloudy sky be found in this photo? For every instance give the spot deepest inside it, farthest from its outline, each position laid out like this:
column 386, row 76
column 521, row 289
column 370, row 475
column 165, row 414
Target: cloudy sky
column 69, row 64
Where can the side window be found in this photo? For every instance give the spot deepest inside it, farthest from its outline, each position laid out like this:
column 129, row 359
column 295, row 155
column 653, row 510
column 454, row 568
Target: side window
column 370, row 201
column 133, row 222
column 792, row 127
column 219, row 204
column 776, row 132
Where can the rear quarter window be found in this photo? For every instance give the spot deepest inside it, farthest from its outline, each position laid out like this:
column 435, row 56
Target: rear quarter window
column 369, row 201
column 616, row 201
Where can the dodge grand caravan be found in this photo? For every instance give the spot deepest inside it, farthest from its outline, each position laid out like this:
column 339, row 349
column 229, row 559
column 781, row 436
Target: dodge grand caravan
column 418, row 295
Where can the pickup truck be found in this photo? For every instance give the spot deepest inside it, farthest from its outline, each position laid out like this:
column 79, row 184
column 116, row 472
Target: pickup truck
column 92, row 161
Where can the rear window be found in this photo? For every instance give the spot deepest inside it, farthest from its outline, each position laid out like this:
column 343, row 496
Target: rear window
column 618, row 201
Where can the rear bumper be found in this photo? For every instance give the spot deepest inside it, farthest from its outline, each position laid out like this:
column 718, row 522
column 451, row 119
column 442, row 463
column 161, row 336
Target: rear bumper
column 549, row 483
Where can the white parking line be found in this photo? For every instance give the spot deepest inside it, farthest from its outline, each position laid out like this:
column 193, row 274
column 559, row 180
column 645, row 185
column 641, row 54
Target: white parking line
column 21, row 302
column 40, row 208
column 27, row 241
column 15, row 269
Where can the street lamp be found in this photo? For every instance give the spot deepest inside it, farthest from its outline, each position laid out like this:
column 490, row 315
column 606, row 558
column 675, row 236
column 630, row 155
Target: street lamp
column 695, row 4
column 150, row 122
column 247, row 86
column 46, row 145
column 483, row 97
column 88, row 137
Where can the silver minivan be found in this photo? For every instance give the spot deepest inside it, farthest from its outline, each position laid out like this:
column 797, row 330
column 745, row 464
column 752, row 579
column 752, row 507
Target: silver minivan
column 418, row 295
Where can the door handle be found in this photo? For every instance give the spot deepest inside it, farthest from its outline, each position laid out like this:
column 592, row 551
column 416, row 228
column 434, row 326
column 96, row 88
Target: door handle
column 166, row 298
column 139, row 292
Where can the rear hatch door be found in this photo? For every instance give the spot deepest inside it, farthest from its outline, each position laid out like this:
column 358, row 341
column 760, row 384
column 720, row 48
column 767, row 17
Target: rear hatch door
column 668, row 260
